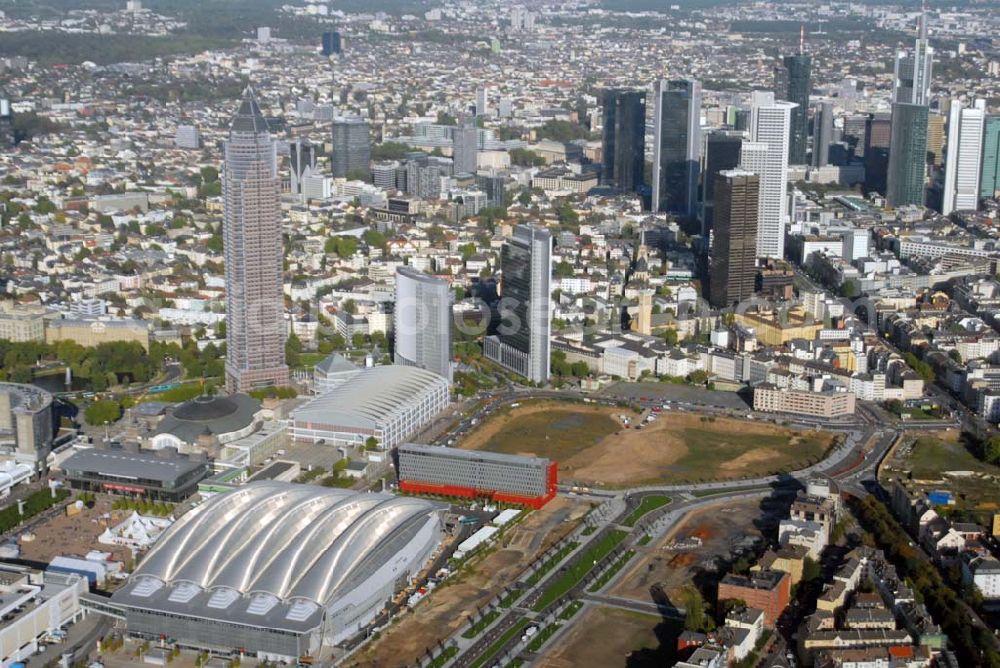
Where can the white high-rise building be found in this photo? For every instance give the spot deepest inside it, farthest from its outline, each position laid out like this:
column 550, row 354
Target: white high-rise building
column 423, row 321
column 964, row 157
column 482, row 101
column 769, row 125
column 912, row 81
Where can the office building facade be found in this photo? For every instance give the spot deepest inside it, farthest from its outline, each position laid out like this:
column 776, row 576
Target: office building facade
column 301, row 156
column 912, row 74
column 251, row 191
column 465, row 148
column 793, row 82
column 989, row 182
column 822, row 134
column 331, row 43
column 352, row 149
column 676, row 146
column 907, row 155
column 423, row 321
column 522, row 342
column 722, row 152
column 624, row 139
column 964, row 160
column 732, row 272
column 769, row 125
column 529, row 481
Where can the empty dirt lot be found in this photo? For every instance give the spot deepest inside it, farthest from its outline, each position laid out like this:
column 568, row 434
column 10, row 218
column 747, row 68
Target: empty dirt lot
column 612, row 637
column 444, row 611
column 722, row 528
column 593, row 447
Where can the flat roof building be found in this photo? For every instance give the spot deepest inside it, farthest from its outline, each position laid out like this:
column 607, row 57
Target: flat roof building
column 388, row 403
column 26, row 424
column 529, row 481
column 277, row 569
column 163, row 475
column 770, row 399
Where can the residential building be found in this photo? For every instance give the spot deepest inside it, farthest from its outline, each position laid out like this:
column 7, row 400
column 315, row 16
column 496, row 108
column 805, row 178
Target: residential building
column 770, row 399
column 769, row 591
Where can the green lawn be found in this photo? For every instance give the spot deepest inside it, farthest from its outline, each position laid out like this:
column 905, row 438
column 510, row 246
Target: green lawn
column 565, row 432
column 481, row 625
column 490, row 651
column 572, row 575
column 607, row 575
column 309, row 360
column 710, row 447
column 648, row 504
column 443, row 658
column 550, row 563
column 931, row 456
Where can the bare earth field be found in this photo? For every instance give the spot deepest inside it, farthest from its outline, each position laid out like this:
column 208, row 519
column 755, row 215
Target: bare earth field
column 444, row 611
column 722, row 529
column 608, row 637
column 75, row 535
column 593, row 448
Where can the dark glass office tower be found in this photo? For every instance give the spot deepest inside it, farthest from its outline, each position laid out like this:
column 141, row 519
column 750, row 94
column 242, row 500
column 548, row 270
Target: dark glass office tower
column 676, row 146
column 732, row 271
column 522, row 340
column 351, row 146
column 793, row 83
column 989, row 182
column 624, row 141
column 878, row 134
column 907, row 155
column 722, row 152
column 822, row 134
column 331, row 43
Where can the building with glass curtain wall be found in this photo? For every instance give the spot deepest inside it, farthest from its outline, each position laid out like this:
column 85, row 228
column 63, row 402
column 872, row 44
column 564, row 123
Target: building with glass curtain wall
column 964, row 159
column 989, row 183
column 624, row 139
column 252, row 242
column 907, row 155
column 423, row 321
column 521, row 343
column 793, row 82
column 352, row 149
column 676, row 146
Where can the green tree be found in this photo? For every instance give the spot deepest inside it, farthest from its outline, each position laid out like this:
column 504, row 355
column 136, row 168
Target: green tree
column 991, row 451
column 670, row 337
column 293, row 350
column 374, row 238
column 103, row 411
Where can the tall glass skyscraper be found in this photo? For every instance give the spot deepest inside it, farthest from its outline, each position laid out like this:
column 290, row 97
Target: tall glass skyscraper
column 907, row 155
column 352, row 150
column 423, row 321
column 989, row 183
column 822, row 134
column 722, row 151
column 251, row 230
column 912, row 75
column 793, row 83
column 522, row 340
column 676, row 146
column 624, row 139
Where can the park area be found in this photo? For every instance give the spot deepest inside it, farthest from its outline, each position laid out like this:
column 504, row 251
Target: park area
column 593, row 447
column 627, row 638
column 942, row 461
column 448, row 607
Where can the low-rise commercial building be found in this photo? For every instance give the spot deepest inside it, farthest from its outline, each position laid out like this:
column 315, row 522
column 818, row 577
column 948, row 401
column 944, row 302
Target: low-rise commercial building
column 768, row 398
column 162, row 475
column 90, row 333
column 530, row 481
column 33, row 604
